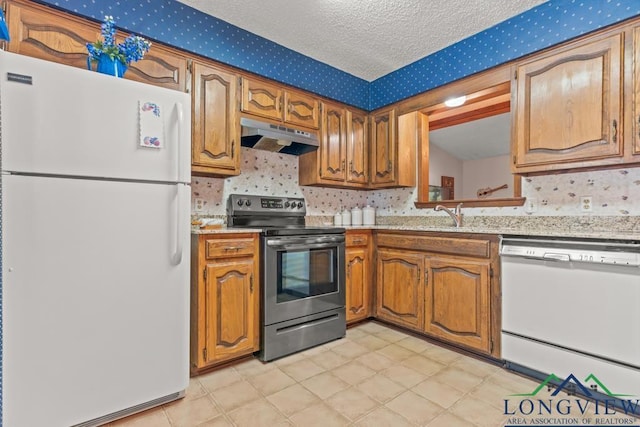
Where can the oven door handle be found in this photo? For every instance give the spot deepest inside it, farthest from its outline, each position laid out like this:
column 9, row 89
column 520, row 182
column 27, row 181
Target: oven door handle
column 294, row 247
column 323, row 240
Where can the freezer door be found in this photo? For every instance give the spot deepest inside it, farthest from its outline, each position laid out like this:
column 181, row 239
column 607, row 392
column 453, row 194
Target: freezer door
column 94, row 302
column 62, row 120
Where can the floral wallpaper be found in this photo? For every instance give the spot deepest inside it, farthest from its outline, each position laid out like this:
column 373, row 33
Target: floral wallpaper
column 614, row 192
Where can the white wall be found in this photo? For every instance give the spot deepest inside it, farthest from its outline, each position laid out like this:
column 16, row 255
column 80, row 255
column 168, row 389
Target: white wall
column 490, row 172
column 441, row 164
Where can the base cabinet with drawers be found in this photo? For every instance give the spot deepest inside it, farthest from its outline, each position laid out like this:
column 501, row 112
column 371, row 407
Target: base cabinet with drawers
column 358, row 275
column 225, row 289
column 445, row 287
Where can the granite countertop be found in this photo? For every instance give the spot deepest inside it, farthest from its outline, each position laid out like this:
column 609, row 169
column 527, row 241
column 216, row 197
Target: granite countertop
column 224, row 230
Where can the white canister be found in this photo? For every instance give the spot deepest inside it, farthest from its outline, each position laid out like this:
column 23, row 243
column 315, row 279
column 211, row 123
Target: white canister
column 337, row 219
column 369, row 215
column 346, row 217
column 356, row 216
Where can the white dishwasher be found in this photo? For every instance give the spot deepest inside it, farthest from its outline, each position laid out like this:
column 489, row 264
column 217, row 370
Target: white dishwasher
column 573, row 307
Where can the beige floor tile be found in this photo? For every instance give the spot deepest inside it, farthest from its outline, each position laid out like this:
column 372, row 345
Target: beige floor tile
column 513, row 382
column 375, row 361
column 423, row 365
column 355, row 333
column 395, row 352
column 253, row 367
column 296, row 357
column 331, row 344
column 257, row 413
column 188, row 413
column 319, row 415
column 194, row 390
column 220, row 378
column 414, row 408
column 329, row 359
column 350, row 349
column 219, row 421
column 314, row 350
column 449, row 420
column 492, row 393
column 404, row 376
column 383, row 417
column 152, row 418
column 352, row 403
column 235, row 395
column 442, row 394
column 325, row 385
column 477, row 412
column 353, row 372
column 293, row 399
column 442, row 355
column 302, row 369
column 391, row 335
column 380, row 388
column 457, row 378
column 271, row 381
column 372, row 342
column 415, row 344
column 373, row 327
column 476, row 367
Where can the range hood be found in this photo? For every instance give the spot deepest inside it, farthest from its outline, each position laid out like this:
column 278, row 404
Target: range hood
column 277, row 138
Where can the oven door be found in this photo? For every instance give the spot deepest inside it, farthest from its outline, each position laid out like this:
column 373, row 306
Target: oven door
column 303, row 275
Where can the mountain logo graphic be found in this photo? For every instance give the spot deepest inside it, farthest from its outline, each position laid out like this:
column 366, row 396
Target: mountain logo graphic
column 572, row 386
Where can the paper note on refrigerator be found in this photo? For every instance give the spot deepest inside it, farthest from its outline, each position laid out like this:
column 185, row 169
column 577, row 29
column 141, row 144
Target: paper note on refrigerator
column 151, row 124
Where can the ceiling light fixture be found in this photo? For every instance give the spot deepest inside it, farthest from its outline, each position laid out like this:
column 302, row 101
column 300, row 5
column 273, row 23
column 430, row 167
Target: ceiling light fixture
column 455, row 102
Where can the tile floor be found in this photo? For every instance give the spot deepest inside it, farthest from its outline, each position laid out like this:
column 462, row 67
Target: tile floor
column 376, row 376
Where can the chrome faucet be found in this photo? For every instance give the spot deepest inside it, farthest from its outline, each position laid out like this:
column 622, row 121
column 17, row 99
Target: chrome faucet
column 456, row 216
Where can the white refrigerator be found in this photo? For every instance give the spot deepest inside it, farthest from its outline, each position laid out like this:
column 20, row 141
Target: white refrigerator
column 95, row 255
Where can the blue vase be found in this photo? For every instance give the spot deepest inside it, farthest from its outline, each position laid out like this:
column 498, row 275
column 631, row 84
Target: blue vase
column 106, row 65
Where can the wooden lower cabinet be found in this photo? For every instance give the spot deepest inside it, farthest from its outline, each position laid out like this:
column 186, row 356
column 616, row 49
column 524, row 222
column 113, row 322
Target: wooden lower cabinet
column 225, row 293
column 358, row 276
column 442, row 286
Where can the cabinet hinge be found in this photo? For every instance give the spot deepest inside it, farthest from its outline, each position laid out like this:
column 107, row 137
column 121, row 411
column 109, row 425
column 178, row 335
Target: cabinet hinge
column 491, row 346
column 190, row 65
column 239, row 81
column 514, row 160
column 204, row 353
column 251, row 283
column 515, row 74
column 233, row 149
column 491, row 272
column 204, row 273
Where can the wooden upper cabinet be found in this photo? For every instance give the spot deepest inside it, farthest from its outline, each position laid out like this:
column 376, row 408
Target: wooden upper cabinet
column 400, row 287
column 216, row 128
column 383, row 140
column 272, row 101
column 636, row 91
column 333, row 143
column 569, row 107
column 357, row 148
column 457, row 301
column 49, row 34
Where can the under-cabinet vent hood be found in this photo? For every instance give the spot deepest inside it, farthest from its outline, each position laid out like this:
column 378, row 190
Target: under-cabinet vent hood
column 277, row 138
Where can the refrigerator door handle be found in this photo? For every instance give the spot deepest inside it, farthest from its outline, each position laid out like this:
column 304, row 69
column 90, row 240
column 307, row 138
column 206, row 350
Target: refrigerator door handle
column 180, row 114
column 177, row 255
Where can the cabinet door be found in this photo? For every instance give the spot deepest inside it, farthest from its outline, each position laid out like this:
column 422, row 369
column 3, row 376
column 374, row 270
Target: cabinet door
column 358, row 284
column 333, row 144
column 357, row 148
column 52, row 35
column 636, row 91
column 457, row 302
column 301, row 110
column 216, row 130
column 569, row 107
column 262, row 99
column 383, row 140
column 231, row 310
column 400, row 288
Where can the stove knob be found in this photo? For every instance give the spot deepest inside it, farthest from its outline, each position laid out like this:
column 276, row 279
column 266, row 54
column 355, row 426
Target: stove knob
column 300, row 204
column 240, row 202
column 248, row 203
column 293, row 205
column 286, row 204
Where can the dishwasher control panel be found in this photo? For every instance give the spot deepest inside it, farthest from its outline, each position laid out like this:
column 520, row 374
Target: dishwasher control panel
column 567, row 251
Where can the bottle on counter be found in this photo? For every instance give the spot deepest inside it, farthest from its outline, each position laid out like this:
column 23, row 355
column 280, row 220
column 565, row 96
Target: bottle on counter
column 337, row 219
column 346, row 217
column 369, row 215
column 356, row 216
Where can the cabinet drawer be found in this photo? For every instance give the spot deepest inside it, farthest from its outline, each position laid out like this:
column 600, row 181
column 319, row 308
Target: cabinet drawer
column 356, row 239
column 221, row 248
column 451, row 245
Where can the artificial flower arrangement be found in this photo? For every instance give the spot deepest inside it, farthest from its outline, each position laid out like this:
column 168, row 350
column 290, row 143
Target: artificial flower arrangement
column 130, row 50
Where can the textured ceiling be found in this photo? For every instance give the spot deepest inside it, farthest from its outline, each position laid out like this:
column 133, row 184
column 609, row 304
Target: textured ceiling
column 366, row 38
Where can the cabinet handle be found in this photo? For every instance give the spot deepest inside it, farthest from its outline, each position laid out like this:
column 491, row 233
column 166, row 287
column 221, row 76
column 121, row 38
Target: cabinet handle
column 251, row 283
column 418, row 275
column 233, row 148
column 426, row 277
column 389, row 165
column 351, row 166
column 615, row 131
column 358, row 241
column 232, row 248
column 349, row 271
column 343, row 164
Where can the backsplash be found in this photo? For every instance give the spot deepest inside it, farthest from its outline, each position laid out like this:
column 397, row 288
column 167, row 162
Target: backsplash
column 614, row 192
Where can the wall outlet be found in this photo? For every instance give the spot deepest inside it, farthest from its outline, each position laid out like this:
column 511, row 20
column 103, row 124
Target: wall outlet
column 586, row 204
column 198, row 205
column 531, row 205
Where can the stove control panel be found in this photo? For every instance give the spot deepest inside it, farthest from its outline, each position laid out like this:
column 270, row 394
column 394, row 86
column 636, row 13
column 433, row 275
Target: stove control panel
column 250, row 204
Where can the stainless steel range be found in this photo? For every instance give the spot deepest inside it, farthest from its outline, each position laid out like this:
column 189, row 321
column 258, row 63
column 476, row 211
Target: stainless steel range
column 302, row 272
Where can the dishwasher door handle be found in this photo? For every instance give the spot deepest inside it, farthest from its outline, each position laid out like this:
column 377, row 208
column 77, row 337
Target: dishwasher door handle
column 556, row 257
